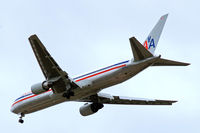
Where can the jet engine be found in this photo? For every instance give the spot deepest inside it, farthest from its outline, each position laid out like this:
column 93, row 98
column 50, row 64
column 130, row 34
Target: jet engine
column 90, row 108
column 40, row 87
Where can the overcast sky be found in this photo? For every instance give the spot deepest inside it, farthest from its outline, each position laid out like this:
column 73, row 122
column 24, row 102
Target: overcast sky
column 84, row 35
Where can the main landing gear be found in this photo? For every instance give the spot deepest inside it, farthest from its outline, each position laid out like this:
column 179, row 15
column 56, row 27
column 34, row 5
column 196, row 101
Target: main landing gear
column 68, row 94
column 20, row 118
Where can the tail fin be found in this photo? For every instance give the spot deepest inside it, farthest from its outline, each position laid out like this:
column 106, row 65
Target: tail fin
column 152, row 40
column 141, row 52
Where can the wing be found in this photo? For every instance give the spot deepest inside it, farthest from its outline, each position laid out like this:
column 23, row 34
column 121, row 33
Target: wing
column 49, row 67
column 47, row 64
column 109, row 99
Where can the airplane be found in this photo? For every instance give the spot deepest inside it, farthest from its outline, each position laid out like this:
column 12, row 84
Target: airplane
column 59, row 87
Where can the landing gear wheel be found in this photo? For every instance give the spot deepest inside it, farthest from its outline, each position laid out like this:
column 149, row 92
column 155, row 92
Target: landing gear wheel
column 71, row 93
column 21, row 121
column 68, row 94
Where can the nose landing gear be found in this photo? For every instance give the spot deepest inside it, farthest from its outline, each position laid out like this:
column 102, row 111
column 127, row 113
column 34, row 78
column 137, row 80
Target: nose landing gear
column 20, row 118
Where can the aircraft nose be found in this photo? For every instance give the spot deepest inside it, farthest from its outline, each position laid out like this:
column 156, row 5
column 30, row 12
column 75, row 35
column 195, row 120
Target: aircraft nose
column 13, row 109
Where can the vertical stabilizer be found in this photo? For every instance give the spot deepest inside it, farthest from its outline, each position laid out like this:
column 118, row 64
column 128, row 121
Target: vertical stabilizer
column 152, row 40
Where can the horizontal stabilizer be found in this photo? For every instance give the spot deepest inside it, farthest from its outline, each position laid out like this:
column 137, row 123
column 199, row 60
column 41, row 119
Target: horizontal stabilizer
column 139, row 51
column 165, row 62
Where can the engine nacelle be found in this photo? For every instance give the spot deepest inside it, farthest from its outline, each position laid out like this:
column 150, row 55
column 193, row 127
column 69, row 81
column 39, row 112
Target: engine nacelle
column 90, row 108
column 40, row 87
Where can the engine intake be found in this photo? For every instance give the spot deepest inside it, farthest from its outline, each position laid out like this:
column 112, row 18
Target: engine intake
column 90, row 108
column 40, row 87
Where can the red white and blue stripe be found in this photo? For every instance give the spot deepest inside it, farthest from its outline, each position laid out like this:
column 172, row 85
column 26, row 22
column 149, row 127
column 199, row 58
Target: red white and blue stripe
column 101, row 71
column 27, row 96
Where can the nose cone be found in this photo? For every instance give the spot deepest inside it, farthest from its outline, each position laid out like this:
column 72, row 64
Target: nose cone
column 13, row 109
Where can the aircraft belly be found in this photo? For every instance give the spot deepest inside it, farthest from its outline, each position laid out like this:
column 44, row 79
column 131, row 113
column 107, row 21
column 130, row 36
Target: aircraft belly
column 44, row 101
column 38, row 102
column 33, row 102
column 43, row 105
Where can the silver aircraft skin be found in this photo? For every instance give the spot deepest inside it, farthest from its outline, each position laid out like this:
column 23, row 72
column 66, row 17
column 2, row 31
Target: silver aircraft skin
column 59, row 87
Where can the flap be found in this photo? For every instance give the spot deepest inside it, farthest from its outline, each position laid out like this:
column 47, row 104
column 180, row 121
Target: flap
column 109, row 99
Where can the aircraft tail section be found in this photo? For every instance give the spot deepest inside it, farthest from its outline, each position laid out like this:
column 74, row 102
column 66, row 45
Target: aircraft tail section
column 141, row 53
column 152, row 40
column 146, row 50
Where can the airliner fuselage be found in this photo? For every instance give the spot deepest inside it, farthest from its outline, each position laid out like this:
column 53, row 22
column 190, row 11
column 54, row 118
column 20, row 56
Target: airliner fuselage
column 90, row 84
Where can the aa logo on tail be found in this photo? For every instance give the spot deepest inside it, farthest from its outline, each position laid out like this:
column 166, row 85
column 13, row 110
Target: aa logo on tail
column 149, row 43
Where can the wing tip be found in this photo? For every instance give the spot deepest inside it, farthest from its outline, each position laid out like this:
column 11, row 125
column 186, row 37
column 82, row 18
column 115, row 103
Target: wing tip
column 166, row 102
column 133, row 37
column 164, row 16
column 187, row 64
column 33, row 36
column 184, row 64
column 174, row 101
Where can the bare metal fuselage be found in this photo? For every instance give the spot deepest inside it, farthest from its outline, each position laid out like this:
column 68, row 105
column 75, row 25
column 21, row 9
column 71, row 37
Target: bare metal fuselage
column 88, row 86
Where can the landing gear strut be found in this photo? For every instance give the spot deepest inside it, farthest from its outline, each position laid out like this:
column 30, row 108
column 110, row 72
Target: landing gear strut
column 68, row 94
column 20, row 118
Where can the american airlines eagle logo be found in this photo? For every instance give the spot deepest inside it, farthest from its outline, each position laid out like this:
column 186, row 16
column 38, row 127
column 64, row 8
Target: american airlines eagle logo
column 149, row 43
